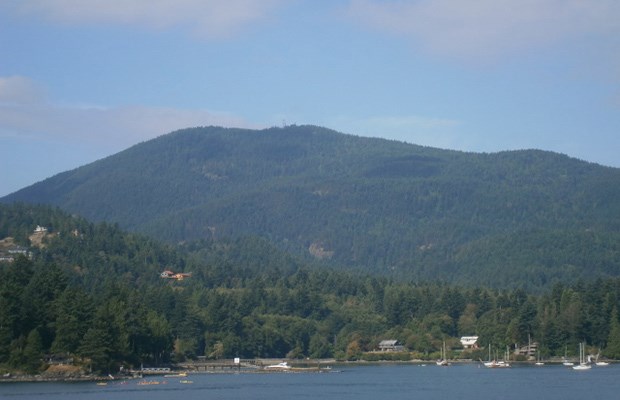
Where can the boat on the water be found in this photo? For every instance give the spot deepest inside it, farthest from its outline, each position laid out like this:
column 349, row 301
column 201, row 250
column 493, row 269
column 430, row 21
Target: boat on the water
column 565, row 360
column 583, row 363
column 600, row 363
column 538, row 360
column 179, row 375
column 145, row 383
column 443, row 362
column 497, row 363
column 279, row 366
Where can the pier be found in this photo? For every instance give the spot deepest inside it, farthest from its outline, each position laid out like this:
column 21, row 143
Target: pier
column 219, row 365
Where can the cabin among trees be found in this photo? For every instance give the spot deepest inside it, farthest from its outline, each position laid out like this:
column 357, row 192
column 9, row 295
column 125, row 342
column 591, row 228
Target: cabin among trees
column 469, row 342
column 529, row 351
column 390, row 346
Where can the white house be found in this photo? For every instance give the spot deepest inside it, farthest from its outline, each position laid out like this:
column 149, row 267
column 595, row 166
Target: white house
column 469, row 342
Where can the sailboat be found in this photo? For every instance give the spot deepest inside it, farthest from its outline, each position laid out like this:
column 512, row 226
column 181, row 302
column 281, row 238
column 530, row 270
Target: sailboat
column 495, row 363
column 529, row 349
column 489, row 362
column 600, row 363
column 583, row 364
column 565, row 360
column 443, row 362
column 538, row 362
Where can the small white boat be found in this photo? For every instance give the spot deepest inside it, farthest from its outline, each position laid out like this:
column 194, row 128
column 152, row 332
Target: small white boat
column 600, row 363
column 279, row 366
column 538, row 362
column 565, row 361
column 497, row 364
column 179, row 375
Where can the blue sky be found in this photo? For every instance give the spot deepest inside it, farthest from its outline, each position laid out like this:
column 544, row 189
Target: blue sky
column 84, row 79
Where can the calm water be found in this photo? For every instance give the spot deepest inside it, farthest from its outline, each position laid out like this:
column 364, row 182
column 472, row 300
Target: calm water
column 393, row 382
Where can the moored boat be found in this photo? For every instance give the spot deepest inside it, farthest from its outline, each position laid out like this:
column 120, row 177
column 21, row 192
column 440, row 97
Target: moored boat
column 279, row 366
column 583, row 363
column 443, row 362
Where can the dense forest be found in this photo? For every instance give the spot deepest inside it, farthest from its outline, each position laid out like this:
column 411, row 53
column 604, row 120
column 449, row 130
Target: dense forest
column 512, row 219
column 93, row 293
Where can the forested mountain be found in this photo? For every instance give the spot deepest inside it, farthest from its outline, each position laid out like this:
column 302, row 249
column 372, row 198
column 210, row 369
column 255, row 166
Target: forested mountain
column 92, row 293
column 505, row 219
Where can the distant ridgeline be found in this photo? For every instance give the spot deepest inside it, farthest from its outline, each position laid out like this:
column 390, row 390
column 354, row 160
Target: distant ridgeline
column 511, row 219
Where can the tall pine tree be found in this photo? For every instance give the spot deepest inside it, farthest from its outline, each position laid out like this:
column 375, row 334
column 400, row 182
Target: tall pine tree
column 613, row 341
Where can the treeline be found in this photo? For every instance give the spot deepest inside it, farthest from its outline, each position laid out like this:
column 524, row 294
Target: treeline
column 299, row 314
column 93, row 293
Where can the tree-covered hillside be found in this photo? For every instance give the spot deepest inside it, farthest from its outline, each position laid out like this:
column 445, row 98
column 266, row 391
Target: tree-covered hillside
column 93, row 294
column 506, row 219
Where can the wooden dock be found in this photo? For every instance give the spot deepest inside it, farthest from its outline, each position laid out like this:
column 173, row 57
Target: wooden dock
column 219, row 365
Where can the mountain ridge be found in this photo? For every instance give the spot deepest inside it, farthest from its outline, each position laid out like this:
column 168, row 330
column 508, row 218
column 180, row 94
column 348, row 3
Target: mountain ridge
column 367, row 203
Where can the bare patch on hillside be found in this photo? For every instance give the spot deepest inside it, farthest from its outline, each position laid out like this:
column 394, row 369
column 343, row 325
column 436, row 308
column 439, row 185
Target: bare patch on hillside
column 318, row 251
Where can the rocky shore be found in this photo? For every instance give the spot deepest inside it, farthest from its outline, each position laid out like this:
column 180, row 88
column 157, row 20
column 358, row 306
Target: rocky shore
column 55, row 373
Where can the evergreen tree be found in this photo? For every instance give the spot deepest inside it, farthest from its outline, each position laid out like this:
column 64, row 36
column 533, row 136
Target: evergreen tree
column 39, row 297
column 100, row 343
column 16, row 355
column 159, row 337
column 613, row 341
column 33, row 352
column 74, row 315
column 13, row 280
column 5, row 343
column 97, row 347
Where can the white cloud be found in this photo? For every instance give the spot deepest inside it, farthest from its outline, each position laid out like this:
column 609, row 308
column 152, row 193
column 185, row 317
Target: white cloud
column 489, row 28
column 18, row 90
column 66, row 136
column 23, row 113
column 116, row 127
column 208, row 18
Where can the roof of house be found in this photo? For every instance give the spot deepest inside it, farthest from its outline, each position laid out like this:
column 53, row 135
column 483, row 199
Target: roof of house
column 469, row 340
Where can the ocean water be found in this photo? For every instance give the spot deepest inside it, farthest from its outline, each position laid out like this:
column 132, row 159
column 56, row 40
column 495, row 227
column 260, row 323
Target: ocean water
column 393, row 382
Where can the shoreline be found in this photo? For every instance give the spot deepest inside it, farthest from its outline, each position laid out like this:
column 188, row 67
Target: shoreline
column 297, row 366
column 43, row 379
